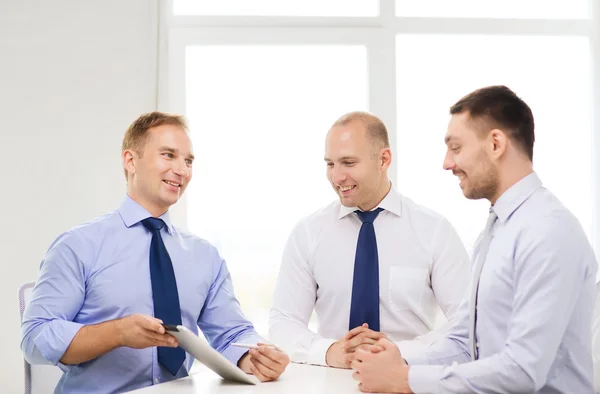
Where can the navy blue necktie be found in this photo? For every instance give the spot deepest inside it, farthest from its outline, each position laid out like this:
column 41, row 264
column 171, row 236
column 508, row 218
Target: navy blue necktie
column 164, row 293
column 365, row 286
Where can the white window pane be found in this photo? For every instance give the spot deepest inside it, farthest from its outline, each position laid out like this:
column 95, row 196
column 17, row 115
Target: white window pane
column 550, row 73
column 277, row 7
column 258, row 118
column 544, row 9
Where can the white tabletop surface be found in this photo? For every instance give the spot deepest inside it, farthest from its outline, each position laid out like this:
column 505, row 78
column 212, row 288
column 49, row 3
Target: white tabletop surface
column 298, row 378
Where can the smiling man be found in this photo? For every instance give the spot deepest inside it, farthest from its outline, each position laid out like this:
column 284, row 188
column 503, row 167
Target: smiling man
column 524, row 325
column 371, row 264
column 106, row 287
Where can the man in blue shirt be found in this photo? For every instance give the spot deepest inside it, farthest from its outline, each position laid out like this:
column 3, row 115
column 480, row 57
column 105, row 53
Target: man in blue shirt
column 524, row 326
column 104, row 286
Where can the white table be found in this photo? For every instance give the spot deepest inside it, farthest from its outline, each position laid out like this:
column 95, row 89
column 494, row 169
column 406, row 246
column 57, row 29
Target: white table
column 298, row 378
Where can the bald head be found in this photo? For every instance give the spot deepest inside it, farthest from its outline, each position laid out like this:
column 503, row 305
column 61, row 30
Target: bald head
column 374, row 127
column 358, row 156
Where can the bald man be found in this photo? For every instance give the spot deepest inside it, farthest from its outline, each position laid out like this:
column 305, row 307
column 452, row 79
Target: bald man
column 372, row 264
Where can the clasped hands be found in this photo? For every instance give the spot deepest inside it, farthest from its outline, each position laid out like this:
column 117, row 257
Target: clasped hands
column 377, row 363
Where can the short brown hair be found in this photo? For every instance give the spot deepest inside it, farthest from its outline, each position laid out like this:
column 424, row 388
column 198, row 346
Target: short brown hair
column 499, row 107
column 375, row 127
column 137, row 134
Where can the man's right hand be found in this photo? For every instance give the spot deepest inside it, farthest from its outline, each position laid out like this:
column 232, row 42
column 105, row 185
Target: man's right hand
column 142, row 331
column 357, row 338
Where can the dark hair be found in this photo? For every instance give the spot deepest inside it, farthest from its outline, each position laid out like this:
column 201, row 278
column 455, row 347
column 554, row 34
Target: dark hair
column 499, row 107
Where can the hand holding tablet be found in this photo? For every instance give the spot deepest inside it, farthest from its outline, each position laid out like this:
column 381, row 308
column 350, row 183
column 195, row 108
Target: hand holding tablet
column 208, row 356
column 265, row 361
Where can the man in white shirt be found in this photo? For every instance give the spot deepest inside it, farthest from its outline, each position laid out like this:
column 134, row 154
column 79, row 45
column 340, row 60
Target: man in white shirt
column 372, row 264
column 524, row 326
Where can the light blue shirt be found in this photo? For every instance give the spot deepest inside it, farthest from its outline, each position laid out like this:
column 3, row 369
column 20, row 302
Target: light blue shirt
column 534, row 311
column 100, row 271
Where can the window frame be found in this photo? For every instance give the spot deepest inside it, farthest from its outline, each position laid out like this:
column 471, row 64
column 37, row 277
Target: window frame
column 378, row 35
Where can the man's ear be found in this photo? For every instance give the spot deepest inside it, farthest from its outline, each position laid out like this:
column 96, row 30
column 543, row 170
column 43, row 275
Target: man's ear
column 129, row 161
column 499, row 142
column 385, row 155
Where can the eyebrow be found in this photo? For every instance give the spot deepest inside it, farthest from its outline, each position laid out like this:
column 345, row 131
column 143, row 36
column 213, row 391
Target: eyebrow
column 343, row 158
column 173, row 150
column 449, row 138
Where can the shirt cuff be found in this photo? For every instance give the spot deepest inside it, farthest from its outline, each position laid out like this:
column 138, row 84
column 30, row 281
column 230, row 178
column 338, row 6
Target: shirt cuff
column 318, row 351
column 425, row 378
column 412, row 351
column 55, row 338
column 233, row 353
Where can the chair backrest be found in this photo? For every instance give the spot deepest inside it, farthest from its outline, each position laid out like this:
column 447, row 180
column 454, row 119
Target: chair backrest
column 39, row 379
column 596, row 340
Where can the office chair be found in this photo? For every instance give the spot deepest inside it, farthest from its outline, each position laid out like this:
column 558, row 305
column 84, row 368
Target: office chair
column 39, row 379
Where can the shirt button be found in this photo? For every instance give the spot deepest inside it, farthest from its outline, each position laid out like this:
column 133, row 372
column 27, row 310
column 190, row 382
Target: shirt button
column 477, row 345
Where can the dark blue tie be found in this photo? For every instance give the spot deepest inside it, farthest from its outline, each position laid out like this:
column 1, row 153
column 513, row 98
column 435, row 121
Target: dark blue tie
column 365, row 286
column 164, row 293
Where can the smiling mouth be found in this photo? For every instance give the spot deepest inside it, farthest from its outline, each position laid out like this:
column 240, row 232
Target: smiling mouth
column 172, row 184
column 346, row 188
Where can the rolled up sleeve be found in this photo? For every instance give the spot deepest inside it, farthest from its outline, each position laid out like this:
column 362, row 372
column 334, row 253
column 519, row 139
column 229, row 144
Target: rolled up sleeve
column 48, row 328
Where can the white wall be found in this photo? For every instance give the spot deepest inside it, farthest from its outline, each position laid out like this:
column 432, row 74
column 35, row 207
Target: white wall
column 73, row 76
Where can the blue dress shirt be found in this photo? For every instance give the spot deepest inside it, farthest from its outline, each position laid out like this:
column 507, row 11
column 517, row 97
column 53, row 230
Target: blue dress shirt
column 99, row 271
column 536, row 300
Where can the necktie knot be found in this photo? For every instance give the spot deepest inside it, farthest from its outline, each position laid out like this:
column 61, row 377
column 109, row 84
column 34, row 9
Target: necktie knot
column 368, row 216
column 153, row 224
column 491, row 220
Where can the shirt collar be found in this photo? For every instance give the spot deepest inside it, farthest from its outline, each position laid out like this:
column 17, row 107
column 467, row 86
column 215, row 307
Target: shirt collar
column 391, row 202
column 516, row 195
column 132, row 213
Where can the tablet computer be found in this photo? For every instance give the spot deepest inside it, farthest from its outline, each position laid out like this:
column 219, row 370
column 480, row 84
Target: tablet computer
column 208, row 356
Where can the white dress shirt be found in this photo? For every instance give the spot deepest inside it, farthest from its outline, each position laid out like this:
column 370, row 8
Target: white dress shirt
column 534, row 310
column 422, row 264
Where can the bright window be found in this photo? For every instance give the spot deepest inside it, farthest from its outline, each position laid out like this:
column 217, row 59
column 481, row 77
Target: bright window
column 550, row 73
column 259, row 116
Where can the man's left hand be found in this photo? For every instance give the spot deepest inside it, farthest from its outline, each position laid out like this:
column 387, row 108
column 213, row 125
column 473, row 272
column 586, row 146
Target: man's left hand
column 266, row 363
column 381, row 369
